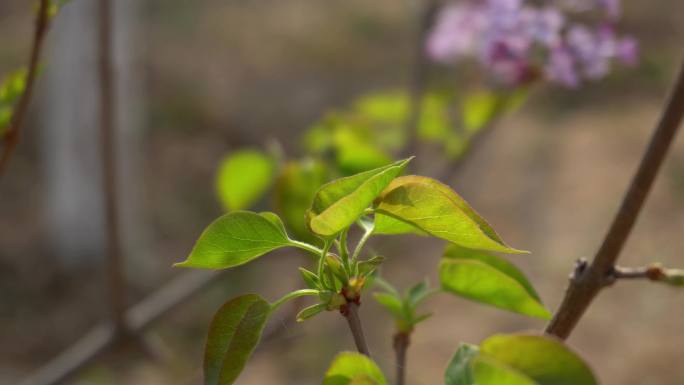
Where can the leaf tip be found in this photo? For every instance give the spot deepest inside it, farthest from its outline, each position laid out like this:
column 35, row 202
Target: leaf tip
column 185, row 263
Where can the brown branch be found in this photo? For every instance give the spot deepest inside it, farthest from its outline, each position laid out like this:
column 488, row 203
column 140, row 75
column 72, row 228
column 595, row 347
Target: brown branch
column 654, row 272
column 401, row 343
column 351, row 313
column 108, row 142
column 589, row 279
column 11, row 136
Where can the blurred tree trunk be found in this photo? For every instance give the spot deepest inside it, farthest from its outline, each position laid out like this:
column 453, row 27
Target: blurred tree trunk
column 71, row 125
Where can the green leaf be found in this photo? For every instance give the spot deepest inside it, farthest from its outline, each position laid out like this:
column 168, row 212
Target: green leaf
column 5, row 118
column 435, row 209
column 310, row 279
column 363, row 380
column 367, row 268
column 545, row 360
column 243, row 177
column 507, row 268
column 489, row 279
column 392, row 303
column 235, row 239
column 478, row 280
column 418, row 293
column 311, row 311
column 294, row 190
column 234, row 333
column 385, row 107
column 340, row 203
column 355, row 152
column 348, row 367
column 488, row 371
column 459, row 371
column 479, row 108
column 13, row 86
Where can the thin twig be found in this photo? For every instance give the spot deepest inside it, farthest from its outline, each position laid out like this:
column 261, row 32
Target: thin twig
column 108, row 108
column 11, row 137
column 401, row 343
column 419, row 73
column 351, row 313
column 588, row 280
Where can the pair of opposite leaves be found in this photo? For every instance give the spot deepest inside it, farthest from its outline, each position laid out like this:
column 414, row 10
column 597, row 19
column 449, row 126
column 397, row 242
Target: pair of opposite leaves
column 409, row 204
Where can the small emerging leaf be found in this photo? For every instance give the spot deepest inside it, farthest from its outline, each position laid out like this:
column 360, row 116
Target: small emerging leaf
column 458, row 371
column 243, row 177
column 311, row 311
column 367, row 268
column 310, row 279
column 543, row 359
column 234, row 333
column 488, row 371
column 235, row 239
column 349, row 368
column 340, row 203
column 490, row 280
column 431, row 207
column 418, row 293
column 392, row 303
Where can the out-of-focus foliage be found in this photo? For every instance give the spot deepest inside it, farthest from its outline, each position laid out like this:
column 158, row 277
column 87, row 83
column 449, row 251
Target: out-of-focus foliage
column 404, row 308
column 518, row 359
column 243, row 177
column 11, row 89
column 294, row 191
column 350, row 368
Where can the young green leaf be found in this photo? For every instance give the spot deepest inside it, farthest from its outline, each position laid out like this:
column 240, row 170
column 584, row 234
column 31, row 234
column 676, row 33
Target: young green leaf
column 482, row 281
column 367, row 267
column 349, row 367
column 488, row 371
column 392, row 303
column 311, row 311
column 435, row 209
column 418, row 293
column 340, row 203
column 453, row 252
column 234, row 333
column 243, row 177
column 235, row 239
column 544, row 359
column 459, row 371
column 310, row 279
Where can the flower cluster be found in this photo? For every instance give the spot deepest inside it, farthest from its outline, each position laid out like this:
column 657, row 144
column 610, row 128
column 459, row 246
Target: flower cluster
column 519, row 43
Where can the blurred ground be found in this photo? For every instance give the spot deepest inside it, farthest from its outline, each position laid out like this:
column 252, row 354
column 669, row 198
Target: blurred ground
column 220, row 75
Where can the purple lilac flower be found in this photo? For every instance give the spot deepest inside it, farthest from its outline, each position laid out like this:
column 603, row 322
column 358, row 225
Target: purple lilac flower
column 561, row 68
column 515, row 42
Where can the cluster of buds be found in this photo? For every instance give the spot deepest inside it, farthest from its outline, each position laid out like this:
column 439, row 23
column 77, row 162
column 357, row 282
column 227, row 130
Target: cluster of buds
column 563, row 41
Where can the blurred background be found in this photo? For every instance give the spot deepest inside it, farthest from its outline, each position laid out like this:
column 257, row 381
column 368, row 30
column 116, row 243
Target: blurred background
column 197, row 81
